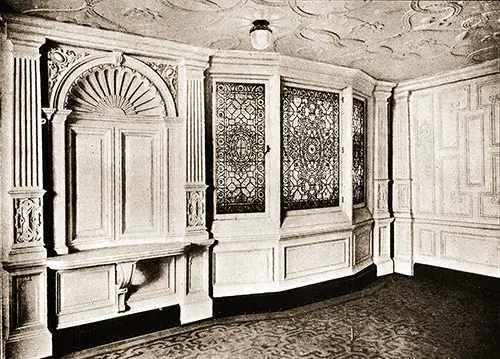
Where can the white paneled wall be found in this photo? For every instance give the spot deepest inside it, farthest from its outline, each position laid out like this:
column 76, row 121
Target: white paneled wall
column 454, row 128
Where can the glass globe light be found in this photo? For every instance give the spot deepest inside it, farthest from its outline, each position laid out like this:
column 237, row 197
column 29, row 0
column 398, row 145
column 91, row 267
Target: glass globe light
column 261, row 34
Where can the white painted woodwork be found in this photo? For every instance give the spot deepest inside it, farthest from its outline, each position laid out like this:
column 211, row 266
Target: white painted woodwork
column 454, row 166
column 275, row 251
column 117, row 116
column 24, row 276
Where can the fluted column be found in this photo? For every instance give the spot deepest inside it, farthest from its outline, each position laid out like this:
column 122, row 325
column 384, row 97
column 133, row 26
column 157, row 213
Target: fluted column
column 196, row 303
column 195, row 153
column 380, row 205
column 24, row 253
column 403, row 235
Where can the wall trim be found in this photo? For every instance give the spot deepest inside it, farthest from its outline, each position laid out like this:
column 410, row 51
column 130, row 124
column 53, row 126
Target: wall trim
column 278, row 301
column 462, row 74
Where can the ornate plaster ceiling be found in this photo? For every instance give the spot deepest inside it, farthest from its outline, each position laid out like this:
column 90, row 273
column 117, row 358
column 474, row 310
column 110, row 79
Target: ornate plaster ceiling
column 390, row 40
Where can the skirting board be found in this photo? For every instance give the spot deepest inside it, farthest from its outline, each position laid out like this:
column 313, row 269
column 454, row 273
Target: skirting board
column 85, row 336
column 477, row 282
column 267, row 302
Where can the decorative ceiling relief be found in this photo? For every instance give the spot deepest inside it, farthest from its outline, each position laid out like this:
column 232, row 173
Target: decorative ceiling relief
column 390, row 40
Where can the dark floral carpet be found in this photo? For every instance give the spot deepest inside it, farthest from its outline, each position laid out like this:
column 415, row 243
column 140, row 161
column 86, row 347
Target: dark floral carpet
column 395, row 317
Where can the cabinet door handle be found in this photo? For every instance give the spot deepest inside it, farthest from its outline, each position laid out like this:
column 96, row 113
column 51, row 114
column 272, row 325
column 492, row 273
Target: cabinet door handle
column 268, row 149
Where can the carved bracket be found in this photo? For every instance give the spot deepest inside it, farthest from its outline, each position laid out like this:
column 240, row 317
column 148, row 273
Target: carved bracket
column 124, row 274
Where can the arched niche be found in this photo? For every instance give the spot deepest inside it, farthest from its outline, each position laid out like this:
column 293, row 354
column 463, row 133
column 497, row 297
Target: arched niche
column 113, row 84
column 114, row 132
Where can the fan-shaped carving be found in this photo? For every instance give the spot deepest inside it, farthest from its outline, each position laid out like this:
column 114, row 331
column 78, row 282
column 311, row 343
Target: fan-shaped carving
column 115, row 90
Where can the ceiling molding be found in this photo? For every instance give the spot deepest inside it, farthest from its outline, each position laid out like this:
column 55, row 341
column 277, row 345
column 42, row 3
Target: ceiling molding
column 390, row 40
column 483, row 69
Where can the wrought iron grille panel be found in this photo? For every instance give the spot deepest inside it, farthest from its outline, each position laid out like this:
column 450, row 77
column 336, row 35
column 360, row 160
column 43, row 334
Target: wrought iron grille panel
column 358, row 151
column 240, row 147
column 310, row 150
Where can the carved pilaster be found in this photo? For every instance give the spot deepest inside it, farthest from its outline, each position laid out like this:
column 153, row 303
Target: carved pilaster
column 380, row 205
column 346, row 143
column 195, row 152
column 28, row 336
column 57, row 120
column 403, row 227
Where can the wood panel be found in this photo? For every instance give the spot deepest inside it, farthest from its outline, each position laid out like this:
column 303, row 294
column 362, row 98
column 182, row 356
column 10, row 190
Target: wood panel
column 140, row 192
column 91, row 176
column 244, row 266
column 313, row 258
column 455, row 150
column 456, row 165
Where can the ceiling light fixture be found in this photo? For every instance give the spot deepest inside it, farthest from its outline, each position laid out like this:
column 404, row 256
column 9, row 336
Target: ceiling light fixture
column 261, row 34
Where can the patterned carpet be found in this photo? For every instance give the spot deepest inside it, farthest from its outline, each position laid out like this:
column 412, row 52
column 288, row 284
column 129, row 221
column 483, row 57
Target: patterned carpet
column 396, row 317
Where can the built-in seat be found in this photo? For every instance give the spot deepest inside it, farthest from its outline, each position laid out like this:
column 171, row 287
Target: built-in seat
column 98, row 284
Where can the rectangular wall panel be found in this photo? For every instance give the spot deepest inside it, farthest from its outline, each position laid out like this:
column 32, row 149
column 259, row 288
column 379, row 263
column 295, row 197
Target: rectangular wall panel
column 475, row 150
column 451, row 102
column 469, row 248
column 427, row 243
column 423, row 106
column 362, row 247
column 489, row 201
column 91, row 183
column 488, row 98
column 312, row 258
column 244, row 267
column 85, row 289
column 140, row 182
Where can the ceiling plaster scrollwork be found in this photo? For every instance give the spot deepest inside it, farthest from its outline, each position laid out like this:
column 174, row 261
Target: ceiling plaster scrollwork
column 85, row 14
column 390, row 40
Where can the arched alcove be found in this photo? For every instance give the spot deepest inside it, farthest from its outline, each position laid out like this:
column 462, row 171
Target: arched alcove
column 114, row 90
column 102, row 82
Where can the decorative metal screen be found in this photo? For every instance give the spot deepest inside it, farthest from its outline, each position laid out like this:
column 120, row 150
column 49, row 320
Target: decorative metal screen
column 240, row 147
column 310, row 151
column 358, row 151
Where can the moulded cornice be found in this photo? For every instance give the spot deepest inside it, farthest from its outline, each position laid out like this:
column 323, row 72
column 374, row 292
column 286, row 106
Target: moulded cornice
column 363, row 83
column 311, row 73
column 314, row 67
column 247, row 62
column 383, row 88
column 25, row 44
column 485, row 68
column 72, row 34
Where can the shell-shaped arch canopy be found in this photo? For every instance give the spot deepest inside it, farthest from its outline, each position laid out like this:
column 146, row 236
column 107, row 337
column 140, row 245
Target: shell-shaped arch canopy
column 109, row 89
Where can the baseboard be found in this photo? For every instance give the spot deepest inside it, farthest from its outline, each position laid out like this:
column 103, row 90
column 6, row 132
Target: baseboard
column 384, row 268
column 403, row 267
column 81, row 337
column 473, row 281
column 277, row 301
